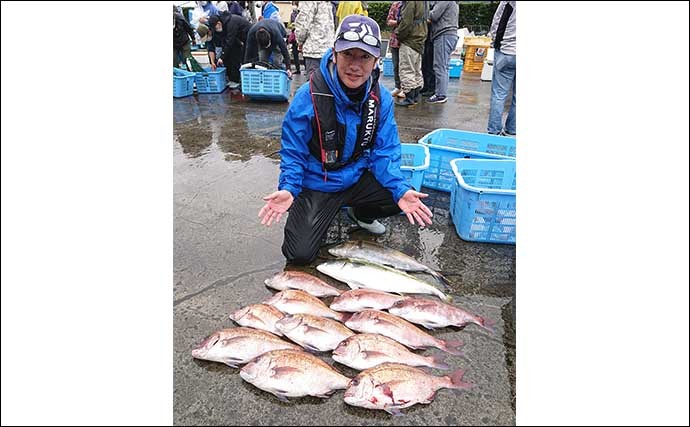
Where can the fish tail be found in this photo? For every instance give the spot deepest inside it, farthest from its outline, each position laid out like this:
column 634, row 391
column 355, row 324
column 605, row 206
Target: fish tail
column 487, row 324
column 451, row 346
column 441, row 278
column 444, row 297
column 437, row 361
column 456, row 381
column 344, row 317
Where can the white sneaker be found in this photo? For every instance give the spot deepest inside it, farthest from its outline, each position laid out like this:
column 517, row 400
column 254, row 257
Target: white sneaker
column 233, row 85
column 374, row 228
column 396, row 91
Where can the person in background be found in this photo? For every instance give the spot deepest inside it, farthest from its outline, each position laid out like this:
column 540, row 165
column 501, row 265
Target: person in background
column 428, row 58
column 335, row 4
column 443, row 27
column 236, row 8
column 183, row 34
column 269, row 11
column 223, row 12
column 315, row 32
column 202, row 12
column 232, row 31
column 346, row 8
column 394, row 45
column 503, row 78
column 292, row 38
column 411, row 32
column 266, row 40
column 329, row 159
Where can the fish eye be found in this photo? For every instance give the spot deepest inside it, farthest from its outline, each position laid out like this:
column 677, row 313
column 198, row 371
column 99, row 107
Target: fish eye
column 355, row 382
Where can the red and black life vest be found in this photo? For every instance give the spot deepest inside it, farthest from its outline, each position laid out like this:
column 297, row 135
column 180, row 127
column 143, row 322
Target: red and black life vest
column 328, row 137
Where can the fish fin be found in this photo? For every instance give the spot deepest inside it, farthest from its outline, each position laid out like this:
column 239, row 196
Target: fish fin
column 393, row 410
column 227, row 341
column 256, row 318
column 441, row 278
column 384, row 322
column 310, row 348
column 284, row 370
column 354, row 285
column 438, row 361
column 308, row 329
column 387, row 391
column 325, row 395
column 372, row 354
column 487, row 324
column 282, row 398
column 452, row 346
column 231, row 363
column 457, row 382
column 428, row 326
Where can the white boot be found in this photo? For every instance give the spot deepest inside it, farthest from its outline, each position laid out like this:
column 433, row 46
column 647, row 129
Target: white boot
column 374, row 227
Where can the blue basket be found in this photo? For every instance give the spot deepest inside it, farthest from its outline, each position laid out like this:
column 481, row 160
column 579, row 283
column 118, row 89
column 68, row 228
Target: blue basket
column 387, row 67
column 268, row 85
column 183, row 83
column 448, row 144
column 482, row 201
column 455, row 68
column 211, row 81
column 414, row 161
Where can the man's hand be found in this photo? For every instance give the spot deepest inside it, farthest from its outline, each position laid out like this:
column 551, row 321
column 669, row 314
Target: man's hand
column 277, row 204
column 213, row 66
column 289, row 73
column 413, row 207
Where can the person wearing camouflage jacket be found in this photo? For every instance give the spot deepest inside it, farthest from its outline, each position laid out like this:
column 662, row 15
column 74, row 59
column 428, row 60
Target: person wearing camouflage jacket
column 314, row 31
column 412, row 31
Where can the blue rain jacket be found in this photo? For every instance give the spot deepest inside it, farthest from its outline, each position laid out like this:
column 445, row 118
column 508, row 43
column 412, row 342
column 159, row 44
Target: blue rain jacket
column 299, row 169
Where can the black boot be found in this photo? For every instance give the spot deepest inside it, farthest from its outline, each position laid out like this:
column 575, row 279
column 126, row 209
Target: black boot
column 417, row 94
column 409, row 99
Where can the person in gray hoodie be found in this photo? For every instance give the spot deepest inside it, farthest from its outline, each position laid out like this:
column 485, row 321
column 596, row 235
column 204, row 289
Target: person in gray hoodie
column 443, row 26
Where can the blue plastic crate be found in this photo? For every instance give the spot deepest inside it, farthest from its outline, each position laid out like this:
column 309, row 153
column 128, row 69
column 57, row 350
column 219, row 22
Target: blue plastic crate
column 388, row 67
column 183, row 83
column 211, row 81
column 414, row 161
column 448, row 144
column 482, row 200
column 455, row 68
column 268, row 85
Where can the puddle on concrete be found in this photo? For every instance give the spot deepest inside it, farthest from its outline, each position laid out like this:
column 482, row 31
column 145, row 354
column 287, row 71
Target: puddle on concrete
column 224, row 162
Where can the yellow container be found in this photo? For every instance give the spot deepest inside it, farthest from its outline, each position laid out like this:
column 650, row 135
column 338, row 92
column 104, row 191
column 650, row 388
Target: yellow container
column 476, row 49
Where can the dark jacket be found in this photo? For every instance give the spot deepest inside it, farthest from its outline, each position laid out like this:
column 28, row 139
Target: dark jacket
column 278, row 34
column 235, row 29
column 412, row 29
column 182, row 32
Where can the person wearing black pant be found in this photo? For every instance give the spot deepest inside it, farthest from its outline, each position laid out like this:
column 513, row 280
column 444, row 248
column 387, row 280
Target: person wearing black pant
column 232, row 31
column 292, row 38
column 340, row 147
column 428, row 67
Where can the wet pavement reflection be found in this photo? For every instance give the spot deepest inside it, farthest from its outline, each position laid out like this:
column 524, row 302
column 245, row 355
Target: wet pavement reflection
column 225, row 159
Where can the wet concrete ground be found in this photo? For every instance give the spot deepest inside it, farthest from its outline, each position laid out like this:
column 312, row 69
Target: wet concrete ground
column 224, row 161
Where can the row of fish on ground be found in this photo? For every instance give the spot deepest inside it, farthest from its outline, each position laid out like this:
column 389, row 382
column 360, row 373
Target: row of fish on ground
column 390, row 379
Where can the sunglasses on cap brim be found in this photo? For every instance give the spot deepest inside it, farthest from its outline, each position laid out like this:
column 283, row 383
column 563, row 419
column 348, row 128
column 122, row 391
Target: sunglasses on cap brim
column 353, row 36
